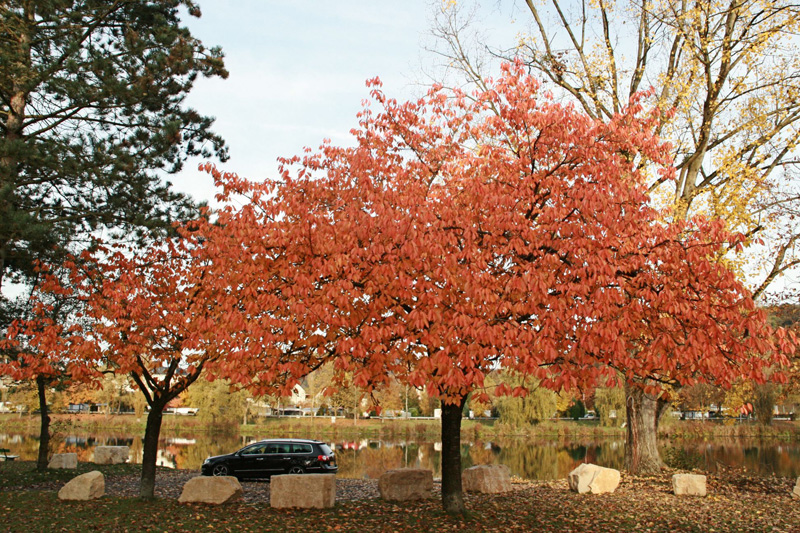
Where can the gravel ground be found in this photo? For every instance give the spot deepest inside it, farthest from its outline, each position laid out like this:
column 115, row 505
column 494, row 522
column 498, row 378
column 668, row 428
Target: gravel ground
column 170, row 484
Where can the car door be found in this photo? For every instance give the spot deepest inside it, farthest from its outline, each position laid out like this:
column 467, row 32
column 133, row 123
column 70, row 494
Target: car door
column 303, row 456
column 278, row 457
column 252, row 461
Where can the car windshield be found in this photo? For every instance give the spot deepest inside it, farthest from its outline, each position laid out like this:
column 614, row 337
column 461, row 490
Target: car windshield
column 325, row 449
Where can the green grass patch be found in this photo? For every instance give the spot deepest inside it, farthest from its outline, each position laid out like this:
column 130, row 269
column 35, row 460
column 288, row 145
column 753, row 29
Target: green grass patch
column 23, row 474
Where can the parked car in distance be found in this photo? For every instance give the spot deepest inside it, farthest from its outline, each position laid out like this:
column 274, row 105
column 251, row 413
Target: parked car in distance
column 273, row 457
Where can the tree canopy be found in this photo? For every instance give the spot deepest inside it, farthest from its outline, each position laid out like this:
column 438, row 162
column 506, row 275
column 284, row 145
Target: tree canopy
column 145, row 312
column 461, row 234
column 723, row 75
column 150, row 317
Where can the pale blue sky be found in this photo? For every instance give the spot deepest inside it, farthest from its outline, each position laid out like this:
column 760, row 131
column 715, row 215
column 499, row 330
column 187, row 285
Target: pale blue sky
column 298, row 71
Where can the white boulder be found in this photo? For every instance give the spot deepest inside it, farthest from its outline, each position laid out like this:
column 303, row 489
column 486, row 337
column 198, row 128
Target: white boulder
column 689, row 485
column 305, row 491
column 593, row 479
column 486, row 479
column 63, row 460
column 214, row 490
column 111, row 455
column 88, row 486
column 406, row 484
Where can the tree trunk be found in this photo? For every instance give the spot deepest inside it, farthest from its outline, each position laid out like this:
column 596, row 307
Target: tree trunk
column 44, row 431
column 643, row 414
column 14, row 129
column 150, row 452
column 452, row 496
column 2, row 249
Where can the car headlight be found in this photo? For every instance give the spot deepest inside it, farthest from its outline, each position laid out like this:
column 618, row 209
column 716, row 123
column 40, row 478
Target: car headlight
column 208, row 460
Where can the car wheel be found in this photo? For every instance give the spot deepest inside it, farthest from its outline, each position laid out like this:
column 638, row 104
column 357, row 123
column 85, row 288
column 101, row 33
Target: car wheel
column 296, row 470
column 220, row 470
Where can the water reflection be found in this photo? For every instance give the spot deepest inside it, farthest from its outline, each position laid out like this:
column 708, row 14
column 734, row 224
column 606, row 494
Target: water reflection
column 367, row 458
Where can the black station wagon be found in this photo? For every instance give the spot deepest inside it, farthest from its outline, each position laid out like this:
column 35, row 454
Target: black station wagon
column 274, row 457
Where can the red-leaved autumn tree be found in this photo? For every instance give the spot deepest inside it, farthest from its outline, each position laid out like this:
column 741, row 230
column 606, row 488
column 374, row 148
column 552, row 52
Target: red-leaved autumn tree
column 674, row 317
column 149, row 314
column 155, row 317
column 450, row 241
column 48, row 347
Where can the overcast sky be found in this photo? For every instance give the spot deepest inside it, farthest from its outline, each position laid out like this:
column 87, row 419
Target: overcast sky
column 298, row 70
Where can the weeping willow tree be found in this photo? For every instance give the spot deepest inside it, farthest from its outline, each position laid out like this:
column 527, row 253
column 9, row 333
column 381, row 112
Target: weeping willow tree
column 517, row 411
column 217, row 402
column 608, row 402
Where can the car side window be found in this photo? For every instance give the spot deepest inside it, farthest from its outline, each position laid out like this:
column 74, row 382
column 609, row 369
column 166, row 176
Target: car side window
column 301, row 448
column 277, row 447
column 254, row 450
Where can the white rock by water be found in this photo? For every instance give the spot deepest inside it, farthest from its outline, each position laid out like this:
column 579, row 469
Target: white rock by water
column 111, row 455
column 689, row 485
column 63, row 460
column 486, row 479
column 215, row 490
column 88, row 486
column 406, row 484
column 305, row 491
column 593, row 479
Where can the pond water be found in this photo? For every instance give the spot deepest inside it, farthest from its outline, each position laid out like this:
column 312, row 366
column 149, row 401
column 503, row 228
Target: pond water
column 368, row 458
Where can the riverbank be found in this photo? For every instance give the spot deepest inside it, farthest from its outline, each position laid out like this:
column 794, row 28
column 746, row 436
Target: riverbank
column 393, row 428
column 736, row 503
column 328, row 427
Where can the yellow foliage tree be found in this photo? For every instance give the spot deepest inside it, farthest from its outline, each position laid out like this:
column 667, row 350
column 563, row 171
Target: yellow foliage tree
column 726, row 75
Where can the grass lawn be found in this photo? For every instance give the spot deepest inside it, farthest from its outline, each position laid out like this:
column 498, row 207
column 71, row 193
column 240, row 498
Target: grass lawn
column 736, row 502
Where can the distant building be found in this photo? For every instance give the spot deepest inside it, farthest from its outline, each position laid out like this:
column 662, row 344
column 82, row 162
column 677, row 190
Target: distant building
column 298, row 396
